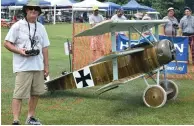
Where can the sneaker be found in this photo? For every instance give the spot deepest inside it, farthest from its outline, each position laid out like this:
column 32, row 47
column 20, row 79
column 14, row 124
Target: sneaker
column 32, row 121
column 16, row 123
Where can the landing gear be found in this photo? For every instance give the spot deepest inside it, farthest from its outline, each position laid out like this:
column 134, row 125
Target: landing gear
column 171, row 89
column 154, row 96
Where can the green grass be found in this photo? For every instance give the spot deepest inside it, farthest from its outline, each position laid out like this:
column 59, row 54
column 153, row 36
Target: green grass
column 123, row 105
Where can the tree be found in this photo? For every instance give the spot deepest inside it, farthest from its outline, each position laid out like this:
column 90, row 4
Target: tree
column 190, row 3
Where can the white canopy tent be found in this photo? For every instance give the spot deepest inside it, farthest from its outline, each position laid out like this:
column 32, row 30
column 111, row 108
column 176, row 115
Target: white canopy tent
column 90, row 4
column 15, row 7
column 64, row 3
column 61, row 2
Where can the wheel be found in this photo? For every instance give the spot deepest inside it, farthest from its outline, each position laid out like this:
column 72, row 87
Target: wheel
column 170, row 85
column 154, row 96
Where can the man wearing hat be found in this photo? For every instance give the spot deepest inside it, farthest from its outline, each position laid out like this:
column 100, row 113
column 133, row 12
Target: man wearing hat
column 187, row 23
column 28, row 41
column 119, row 16
column 97, row 42
column 95, row 18
column 170, row 28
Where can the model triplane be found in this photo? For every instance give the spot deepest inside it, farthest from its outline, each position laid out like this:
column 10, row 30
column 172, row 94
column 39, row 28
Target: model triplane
column 121, row 67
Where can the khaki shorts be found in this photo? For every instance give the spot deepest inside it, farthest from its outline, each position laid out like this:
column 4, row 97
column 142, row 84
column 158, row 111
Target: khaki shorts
column 28, row 83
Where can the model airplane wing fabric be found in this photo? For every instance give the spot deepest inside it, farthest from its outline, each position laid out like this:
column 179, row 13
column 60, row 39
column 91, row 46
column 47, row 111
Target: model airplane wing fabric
column 116, row 26
column 117, row 54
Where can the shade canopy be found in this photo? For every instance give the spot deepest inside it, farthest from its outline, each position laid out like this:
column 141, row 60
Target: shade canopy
column 134, row 5
column 64, row 3
column 24, row 2
column 90, row 4
column 113, row 5
column 7, row 2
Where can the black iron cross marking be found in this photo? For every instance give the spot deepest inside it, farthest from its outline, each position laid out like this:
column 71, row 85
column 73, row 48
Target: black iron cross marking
column 83, row 78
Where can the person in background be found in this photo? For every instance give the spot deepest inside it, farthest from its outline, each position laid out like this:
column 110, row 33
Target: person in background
column 27, row 39
column 85, row 17
column 146, row 17
column 170, row 28
column 187, row 23
column 138, row 16
column 41, row 19
column 14, row 19
column 97, row 45
column 95, row 18
column 187, row 27
column 119, row 16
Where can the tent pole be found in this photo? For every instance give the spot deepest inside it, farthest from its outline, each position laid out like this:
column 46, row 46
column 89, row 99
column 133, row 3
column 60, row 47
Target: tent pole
column 54, row 21
column 72, row 15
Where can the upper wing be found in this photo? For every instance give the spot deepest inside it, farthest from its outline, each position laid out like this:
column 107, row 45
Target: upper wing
column 116, row 26
column 117, row 54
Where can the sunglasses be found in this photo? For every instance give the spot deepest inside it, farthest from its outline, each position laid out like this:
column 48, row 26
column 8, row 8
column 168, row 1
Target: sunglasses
column 34, row 8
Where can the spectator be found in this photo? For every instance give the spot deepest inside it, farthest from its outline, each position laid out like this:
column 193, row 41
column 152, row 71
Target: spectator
column 97, row 42
column 95, row 18
column 119, row 16
column 170, row 28
column 146, row 17
column 41, row 19
column 187, row 23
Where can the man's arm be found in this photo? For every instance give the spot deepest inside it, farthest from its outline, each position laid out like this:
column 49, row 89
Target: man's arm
column 91, row 21
column 45, row 52
column 46, row 63
column 10, row 46
column 181, row 27
column 164, row 25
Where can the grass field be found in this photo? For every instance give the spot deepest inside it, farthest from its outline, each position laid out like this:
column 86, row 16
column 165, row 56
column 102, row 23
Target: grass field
column 123, row 105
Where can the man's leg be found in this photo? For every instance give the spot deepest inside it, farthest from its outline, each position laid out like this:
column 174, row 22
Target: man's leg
column 32, row 103
column 22, row 91
column 16, row 108
column 37, row 89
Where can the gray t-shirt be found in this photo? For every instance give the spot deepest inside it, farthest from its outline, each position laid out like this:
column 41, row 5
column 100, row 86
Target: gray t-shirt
column 116, row 18
column 19, row 36
column 187, row 24
column 95, row 19
column 168, row 27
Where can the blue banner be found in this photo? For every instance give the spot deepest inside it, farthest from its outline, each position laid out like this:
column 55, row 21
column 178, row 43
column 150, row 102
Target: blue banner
column 180, row 44
column 122, row 42
column 180, row 68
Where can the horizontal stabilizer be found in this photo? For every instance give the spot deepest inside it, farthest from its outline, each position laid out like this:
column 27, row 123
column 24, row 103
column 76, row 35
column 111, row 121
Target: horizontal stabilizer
column 57, row 78
column 117, row 54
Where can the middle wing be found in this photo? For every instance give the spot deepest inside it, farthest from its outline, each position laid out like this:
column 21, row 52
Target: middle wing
column 117, row 54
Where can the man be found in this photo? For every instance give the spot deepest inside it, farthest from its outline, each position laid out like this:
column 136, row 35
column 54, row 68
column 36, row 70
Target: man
column 119, row 16
column 170, row 28
column 41, row 19
column 146, row 17
column 97, row 42
column 95, row 18
column 28, row 41
column 187, row 23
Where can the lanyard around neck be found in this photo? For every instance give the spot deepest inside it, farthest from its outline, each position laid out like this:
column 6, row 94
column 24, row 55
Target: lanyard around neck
column 31, row 38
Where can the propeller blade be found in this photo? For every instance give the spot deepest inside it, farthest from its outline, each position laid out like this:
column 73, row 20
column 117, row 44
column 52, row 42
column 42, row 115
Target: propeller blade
column 173, row 50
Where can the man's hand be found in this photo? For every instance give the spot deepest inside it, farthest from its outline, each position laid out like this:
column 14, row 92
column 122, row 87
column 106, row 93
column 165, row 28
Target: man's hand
column 46, row 71
column 22, row 52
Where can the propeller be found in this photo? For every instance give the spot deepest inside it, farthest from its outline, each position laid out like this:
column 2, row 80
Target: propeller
column 173, row 51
